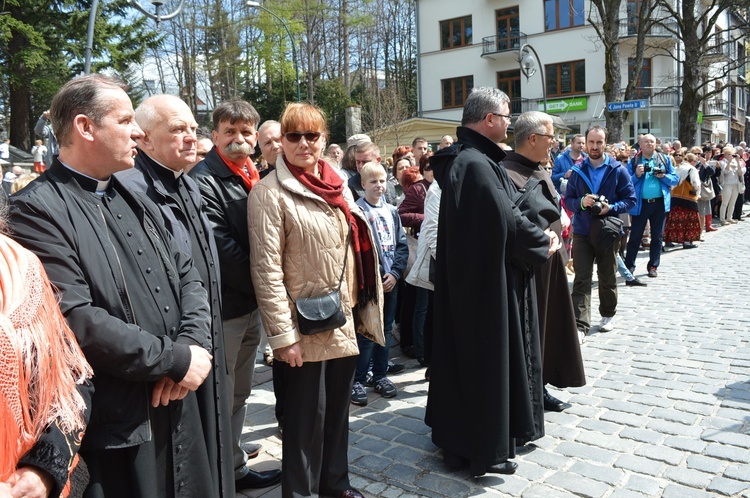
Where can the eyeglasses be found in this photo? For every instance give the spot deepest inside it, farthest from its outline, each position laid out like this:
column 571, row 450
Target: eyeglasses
column 506, row 116
column 551, row 137
column 295, row 136
column 678, row 155
column 548, row 168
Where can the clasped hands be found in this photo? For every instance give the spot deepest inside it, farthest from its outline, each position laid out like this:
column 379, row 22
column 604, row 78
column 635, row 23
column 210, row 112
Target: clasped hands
column 166, row 390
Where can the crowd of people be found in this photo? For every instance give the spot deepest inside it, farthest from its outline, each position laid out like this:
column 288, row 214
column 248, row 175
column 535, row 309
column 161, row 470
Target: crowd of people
column 177, row 253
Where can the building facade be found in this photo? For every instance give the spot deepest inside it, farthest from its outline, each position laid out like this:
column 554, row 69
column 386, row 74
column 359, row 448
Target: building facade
column 477, row 43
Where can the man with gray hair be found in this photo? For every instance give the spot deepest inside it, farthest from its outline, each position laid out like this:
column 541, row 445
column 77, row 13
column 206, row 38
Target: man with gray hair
column 269, row 140
column 479, row 352
column 561, row 351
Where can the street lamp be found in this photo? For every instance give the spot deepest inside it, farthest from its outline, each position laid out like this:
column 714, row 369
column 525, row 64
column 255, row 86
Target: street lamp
column 251, row 3
column 527, row 62
column 158, row 17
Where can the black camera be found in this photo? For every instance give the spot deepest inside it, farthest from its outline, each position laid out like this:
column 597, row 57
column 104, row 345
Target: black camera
column 597, row 207
column 656, row 170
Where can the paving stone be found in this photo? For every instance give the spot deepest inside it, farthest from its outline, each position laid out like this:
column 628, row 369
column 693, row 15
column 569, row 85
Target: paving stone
column 705, row 464
column 599, row 426
column 642, row 435
column 639, row 464
column 649, row 486
column 606, row 474
column 672, row 415
column 542, row 491
column 420, row 441
column 625, row 419
column 674, row 428
column 382, row 431
column 727, row 487
column 444, row 485
column 725, row 452
column 606, row 441
column 732, row 438
column 625, row 406
column 402, row 473
column 679, row 491
column 372, row 445
column 739, row 472
column 685, row 444
column 411, row 425
column 625, row 493
column 660, row 453
column 688, row 477
column 547, row 459
column 578, row 485
column 586, row 452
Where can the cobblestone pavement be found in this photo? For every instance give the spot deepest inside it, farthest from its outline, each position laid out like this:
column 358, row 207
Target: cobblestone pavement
column 665, row 412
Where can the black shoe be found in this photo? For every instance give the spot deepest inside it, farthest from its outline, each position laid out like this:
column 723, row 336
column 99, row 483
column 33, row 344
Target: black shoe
column 351, row 493
column 525, row 449
column 409, row 351
column 252, row 449
column 552, row 404
column 256, row 480
column 669, row 245
column 688, row 245
column 394, row 368
column 635, row 283
column 422, row 362
column 503, row 468
column 652, row 272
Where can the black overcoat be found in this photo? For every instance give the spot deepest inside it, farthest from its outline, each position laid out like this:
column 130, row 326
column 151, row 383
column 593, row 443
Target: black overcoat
column 135, row 303
column 561, row 351
column 479, row 396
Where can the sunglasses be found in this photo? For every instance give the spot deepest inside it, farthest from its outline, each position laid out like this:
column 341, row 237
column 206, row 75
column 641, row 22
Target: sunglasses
column 295, row 136
column 678, row 155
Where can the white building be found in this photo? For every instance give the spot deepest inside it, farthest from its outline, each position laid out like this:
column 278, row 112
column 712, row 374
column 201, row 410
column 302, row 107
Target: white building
column 476, row 43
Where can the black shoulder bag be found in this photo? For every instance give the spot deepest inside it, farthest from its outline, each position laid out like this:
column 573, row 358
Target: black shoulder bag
column 322, row 313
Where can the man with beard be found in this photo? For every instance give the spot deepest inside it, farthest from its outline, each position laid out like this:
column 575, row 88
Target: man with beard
column 561, row 351
column 225, row 177
column 610, row 179
column 483, row 393
column 167, row 147
column 133, row 299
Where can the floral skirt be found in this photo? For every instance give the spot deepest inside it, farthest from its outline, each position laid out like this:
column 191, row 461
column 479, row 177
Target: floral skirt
column 683, row 225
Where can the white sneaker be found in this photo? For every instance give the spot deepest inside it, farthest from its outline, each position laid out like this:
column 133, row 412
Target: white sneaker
column 606, row 324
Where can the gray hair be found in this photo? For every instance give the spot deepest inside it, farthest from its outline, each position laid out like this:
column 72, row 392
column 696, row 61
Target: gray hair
column 268, row 123
column 529, row 123
column 368, row 148
column 481, row 101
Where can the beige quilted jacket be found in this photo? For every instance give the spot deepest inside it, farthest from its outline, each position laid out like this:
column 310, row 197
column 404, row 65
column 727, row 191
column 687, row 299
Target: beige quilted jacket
column 296, row 243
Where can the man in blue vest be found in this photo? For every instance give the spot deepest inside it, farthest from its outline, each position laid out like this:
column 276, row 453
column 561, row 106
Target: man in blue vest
column 653, row 177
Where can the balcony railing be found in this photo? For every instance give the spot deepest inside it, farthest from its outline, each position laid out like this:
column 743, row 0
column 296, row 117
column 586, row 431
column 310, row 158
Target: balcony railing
column 718, row 52
column 497, row 43
column 665, row 29
column 716, row 108
column 656, row 97
column 738, row 114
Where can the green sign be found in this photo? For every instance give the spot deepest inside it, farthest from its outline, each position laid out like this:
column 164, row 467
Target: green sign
column 565, row 105
column 700, row 117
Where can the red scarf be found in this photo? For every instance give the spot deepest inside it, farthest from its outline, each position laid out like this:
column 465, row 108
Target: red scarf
column 330, row 187
column 249, row 174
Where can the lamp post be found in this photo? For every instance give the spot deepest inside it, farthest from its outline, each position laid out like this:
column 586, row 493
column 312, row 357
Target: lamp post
column 526, row 61
column 251, row 3
column 158, row 17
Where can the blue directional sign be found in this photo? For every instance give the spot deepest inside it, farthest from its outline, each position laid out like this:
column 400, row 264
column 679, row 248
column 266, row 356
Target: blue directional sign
column 627, row 105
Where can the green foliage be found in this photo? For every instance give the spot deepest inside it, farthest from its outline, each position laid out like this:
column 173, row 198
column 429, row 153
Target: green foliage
column 331, row 96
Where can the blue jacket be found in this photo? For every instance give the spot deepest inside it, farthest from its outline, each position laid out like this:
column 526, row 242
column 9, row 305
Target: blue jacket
column 670, row 180
column 563, row 163
column 616, row 187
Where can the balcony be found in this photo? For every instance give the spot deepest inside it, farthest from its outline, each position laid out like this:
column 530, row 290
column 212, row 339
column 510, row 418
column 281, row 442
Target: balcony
column 716, row 109
column 655, row 97
column 661, row 34
column 738, row 114
column 492, row 46
column 717, row 52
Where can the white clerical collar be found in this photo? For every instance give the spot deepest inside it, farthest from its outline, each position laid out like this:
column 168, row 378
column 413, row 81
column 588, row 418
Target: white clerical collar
column 176, row 174
column 101, row 185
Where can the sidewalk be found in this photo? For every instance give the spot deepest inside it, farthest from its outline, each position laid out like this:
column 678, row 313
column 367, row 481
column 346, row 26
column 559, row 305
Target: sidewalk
column 666, row 411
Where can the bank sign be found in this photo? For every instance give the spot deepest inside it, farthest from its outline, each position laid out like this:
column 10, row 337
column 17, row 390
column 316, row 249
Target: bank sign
column 565, row 105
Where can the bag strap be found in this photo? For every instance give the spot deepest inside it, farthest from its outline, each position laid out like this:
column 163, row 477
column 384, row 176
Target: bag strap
column 343, row 268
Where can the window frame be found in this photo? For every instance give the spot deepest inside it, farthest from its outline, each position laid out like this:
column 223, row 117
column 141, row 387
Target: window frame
column 467, row 83
column 450, row 25
column 574, row 89
column 571, row 14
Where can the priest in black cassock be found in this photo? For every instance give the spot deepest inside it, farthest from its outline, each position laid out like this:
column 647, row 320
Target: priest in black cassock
column 482, row 389
column 133, row 299
column 168, row 146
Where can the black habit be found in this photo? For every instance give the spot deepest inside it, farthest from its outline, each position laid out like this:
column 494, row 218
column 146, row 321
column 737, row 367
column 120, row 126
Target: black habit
column 562, row 364
column 480, row 395
column 179, row 202
column 136, row 304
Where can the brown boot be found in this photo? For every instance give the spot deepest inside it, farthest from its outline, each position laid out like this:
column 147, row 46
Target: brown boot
column 709, row 227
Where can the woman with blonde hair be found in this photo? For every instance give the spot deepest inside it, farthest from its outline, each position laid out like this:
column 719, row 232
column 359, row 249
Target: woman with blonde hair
column 309, row 239
column 732, row 174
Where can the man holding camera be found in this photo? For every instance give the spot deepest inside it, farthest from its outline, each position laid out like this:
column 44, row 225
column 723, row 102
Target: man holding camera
column 653, row 177
column 603, row 185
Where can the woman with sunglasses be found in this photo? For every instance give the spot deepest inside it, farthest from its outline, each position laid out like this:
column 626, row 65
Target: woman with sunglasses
column 308, row 238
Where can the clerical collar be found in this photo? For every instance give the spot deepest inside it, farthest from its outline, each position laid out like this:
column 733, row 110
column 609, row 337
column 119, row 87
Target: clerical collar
column 89, row 183
column 174, row 173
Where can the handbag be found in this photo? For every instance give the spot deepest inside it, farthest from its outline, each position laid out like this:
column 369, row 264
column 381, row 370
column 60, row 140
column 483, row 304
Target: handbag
column 707, row 190
column 605, row 231
column 321, row 313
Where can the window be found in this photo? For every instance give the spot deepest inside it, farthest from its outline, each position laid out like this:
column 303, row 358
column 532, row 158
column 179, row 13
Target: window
column 508, row 27
column 643, row 88
column 561, row 14
column 510, row 83
column 455, row 91
column 566, row 78
column 455, row 32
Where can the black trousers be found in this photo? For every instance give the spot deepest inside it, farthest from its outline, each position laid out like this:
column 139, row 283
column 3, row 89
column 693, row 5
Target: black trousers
column 316, row 428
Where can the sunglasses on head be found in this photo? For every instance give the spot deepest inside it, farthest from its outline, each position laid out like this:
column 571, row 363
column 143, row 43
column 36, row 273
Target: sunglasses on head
column 295, row 136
